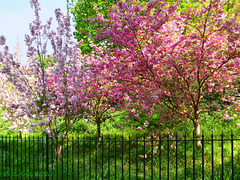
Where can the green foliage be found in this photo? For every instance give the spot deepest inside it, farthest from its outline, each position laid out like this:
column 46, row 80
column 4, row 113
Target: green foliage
column 83, row 12
column 46, row 61
column 80, row 126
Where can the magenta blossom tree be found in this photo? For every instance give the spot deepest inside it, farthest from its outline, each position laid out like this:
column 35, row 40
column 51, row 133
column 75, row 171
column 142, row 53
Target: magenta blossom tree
column 170, row 59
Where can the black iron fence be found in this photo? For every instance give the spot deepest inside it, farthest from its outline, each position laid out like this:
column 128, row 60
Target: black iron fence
column 121, row 158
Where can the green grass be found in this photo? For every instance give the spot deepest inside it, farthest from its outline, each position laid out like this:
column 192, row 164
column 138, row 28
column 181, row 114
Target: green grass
column 36, row 154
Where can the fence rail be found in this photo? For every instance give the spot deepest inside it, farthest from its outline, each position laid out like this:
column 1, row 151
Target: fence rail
column 121, row 158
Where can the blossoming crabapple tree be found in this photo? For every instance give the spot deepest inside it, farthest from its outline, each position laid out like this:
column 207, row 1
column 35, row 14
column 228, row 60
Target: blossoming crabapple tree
column 10, row 98
column 101, row 97
column 47, row 106
column 96, row 94
column 165, row 59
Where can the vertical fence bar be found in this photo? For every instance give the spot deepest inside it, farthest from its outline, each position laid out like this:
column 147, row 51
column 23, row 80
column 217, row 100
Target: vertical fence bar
column 193, row 156
column 67, row 158
column 151, row 157
column 4, row 161
column 57, row 157
column 108, row 157
column 8, row 163
column 2, row 157
column 115, row 157
column 232, row 155
column 4, row 154
column 8, row 155
column 17, row 155
column 102, row 156
column 84, row 144
column 185, row 156
column 144, row 151
column 96, row 159
column 202, row 156
column 29, row 154
column 33, row 159
column 160, row 157
column 10, row 144
column 122, row 157
column 21, row 157
column 168, row 156
column 62, row 157
column 129, row 154
column 78, row 157
column 9, row 152
column 176, row 156
column 13, row 154
column 38, row 155
column 222, row 155
column 136, row 157
column 47, row 157
column 42, row 154
column 52, row 154
column 73, row 158
column 90, row 141
column 212, row 157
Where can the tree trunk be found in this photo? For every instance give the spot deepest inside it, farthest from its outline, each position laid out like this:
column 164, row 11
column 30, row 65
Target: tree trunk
column 99, row 129
column 58, row 152
column 197, row 131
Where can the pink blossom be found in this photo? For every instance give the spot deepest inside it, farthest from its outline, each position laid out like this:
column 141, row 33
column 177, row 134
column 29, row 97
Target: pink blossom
column 139, row 128
column 180, row 136
column 126, row 118
column 227, row 117
column 146, row 123
column 136, row 116
column 173, row 147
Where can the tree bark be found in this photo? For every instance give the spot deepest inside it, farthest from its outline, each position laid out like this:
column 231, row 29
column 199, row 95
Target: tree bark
column 58, row 152
column 99, row 129
column 196, row 124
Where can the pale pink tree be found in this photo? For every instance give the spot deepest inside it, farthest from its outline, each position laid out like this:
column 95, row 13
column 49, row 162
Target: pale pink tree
column 61, row 64
column 11, row 99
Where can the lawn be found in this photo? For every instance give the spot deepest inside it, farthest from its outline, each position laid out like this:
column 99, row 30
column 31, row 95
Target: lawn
column 123, row 158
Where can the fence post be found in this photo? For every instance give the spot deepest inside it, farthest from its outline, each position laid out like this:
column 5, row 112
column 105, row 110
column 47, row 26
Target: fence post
column 47, row 157
column 232, row 154
column 193, row 155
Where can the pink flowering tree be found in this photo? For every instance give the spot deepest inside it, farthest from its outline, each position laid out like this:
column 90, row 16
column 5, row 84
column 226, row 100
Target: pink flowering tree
column 101, row 97
column 165, row 58
column 96, row 94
